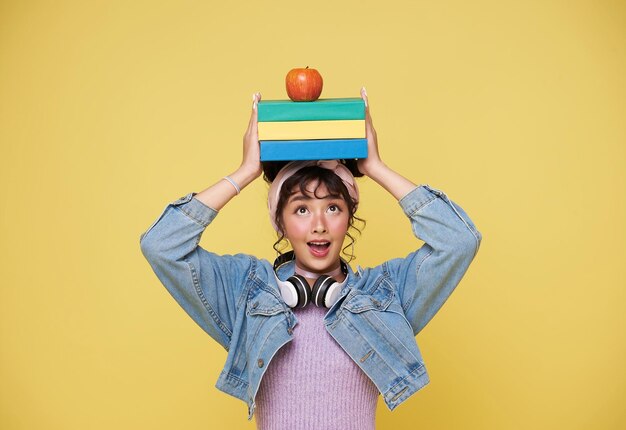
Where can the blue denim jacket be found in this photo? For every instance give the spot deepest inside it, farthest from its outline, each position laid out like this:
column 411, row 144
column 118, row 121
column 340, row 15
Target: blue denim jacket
column 235, row 299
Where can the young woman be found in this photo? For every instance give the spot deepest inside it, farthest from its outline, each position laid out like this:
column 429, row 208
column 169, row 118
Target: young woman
column 311, row 343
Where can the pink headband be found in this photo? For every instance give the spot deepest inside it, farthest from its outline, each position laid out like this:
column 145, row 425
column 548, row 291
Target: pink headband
column 286, row 172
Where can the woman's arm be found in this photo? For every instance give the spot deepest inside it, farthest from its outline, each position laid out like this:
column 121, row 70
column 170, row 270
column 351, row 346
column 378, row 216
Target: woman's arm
column 209, row 287
column 425, row 278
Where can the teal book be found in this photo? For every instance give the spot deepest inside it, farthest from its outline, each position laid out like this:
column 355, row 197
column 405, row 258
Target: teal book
column 322, row 149
column 319, row 110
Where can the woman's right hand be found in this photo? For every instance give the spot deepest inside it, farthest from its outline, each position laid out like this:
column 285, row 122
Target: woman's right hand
column 251, row 161
column 218, row 194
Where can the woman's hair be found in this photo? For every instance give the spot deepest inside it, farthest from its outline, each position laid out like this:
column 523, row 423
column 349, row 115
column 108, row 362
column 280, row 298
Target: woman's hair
column 299, row 181
column 271, row 169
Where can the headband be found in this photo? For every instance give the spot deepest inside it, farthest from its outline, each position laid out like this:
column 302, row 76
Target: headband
column 291, row 168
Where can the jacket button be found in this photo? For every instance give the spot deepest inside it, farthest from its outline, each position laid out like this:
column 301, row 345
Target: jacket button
column 376, row 303
column 290, row 330
column 260, row 362
column 254, row 305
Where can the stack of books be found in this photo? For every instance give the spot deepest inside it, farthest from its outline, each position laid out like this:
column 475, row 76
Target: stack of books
column 325, row 129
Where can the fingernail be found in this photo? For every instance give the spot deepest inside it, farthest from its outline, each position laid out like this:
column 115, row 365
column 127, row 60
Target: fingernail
column 364, row 90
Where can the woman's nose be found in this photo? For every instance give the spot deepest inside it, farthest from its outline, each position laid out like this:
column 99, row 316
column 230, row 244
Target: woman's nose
column 319, row 224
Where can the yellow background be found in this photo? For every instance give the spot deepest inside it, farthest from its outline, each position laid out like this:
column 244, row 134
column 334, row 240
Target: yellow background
column 110, row 110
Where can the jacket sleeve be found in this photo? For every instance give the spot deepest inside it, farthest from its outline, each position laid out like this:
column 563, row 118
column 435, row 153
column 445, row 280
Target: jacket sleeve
column 207, row 286
column 425, row 278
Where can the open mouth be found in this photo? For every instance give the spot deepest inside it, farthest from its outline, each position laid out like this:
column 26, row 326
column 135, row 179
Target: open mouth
column 319, row 247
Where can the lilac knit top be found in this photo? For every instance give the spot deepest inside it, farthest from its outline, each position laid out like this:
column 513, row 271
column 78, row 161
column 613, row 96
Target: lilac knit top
column 311, row 383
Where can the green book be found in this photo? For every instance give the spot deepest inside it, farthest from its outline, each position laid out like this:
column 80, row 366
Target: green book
column 319, row 110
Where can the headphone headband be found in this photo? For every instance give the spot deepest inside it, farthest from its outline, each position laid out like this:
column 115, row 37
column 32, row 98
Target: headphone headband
column 296, row 292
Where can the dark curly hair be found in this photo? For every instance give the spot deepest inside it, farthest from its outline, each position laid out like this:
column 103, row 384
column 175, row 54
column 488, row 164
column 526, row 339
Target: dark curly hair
column 300, row 180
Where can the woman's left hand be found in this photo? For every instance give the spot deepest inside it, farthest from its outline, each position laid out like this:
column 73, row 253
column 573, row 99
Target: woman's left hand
column 367, row 165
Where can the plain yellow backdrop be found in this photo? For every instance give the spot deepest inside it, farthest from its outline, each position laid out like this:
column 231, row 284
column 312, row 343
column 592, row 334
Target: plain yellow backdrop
column 110, row 110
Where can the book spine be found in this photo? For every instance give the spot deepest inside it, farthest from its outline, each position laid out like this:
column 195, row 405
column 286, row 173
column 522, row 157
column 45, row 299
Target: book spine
column 323, row 149
column 320, row 110
column 301, row 130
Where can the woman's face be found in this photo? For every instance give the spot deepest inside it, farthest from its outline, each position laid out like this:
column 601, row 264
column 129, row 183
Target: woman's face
column 316, row 228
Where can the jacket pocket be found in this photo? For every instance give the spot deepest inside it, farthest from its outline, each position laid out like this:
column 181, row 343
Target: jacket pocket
column 262, row 302
column 378, row 299
column 382, row 299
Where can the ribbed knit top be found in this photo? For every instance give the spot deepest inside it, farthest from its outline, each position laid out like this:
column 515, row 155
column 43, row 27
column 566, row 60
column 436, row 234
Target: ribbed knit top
column 312, row 383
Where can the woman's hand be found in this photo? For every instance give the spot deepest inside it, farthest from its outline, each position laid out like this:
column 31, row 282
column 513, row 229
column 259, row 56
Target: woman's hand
column 220, row 193
column 251, row 161
column 373, row 166
column 368, row 165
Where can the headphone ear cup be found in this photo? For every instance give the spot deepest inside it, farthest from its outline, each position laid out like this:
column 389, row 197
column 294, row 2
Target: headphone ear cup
column 302, row 290
column 320, row 290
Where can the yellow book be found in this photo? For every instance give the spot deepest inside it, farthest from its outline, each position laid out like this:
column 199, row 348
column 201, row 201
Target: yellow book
column 295, row 130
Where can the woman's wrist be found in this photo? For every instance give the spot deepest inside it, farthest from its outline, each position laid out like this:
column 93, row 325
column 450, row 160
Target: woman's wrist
column 218, row 194
column 373, row 169
column 244, row 175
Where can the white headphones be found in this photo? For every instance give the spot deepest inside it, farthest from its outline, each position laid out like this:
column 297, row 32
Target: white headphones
column 296, row 292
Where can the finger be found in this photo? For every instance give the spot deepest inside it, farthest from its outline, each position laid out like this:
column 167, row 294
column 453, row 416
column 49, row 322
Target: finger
column 364, row 97
column 255, row 111
column 366, row 100
column 253, row 114
column 368, row 117
column 256, row 98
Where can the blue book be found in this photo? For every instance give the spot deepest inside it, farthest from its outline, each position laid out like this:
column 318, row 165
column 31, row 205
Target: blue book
column 322, row 149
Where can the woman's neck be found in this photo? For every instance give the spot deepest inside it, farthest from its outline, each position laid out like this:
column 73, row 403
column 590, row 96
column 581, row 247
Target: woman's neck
column 336, row 273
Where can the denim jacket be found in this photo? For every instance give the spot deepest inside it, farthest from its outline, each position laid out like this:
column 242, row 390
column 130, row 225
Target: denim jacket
column 236, row 300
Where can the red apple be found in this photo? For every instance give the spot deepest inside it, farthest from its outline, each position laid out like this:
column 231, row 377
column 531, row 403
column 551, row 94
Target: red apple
column 304, row 85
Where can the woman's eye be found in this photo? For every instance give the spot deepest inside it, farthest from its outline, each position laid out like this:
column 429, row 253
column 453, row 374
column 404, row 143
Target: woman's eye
column 334, row 208
column 301, row 210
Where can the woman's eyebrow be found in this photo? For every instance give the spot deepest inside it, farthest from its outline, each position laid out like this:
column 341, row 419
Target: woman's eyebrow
column 301, row 197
